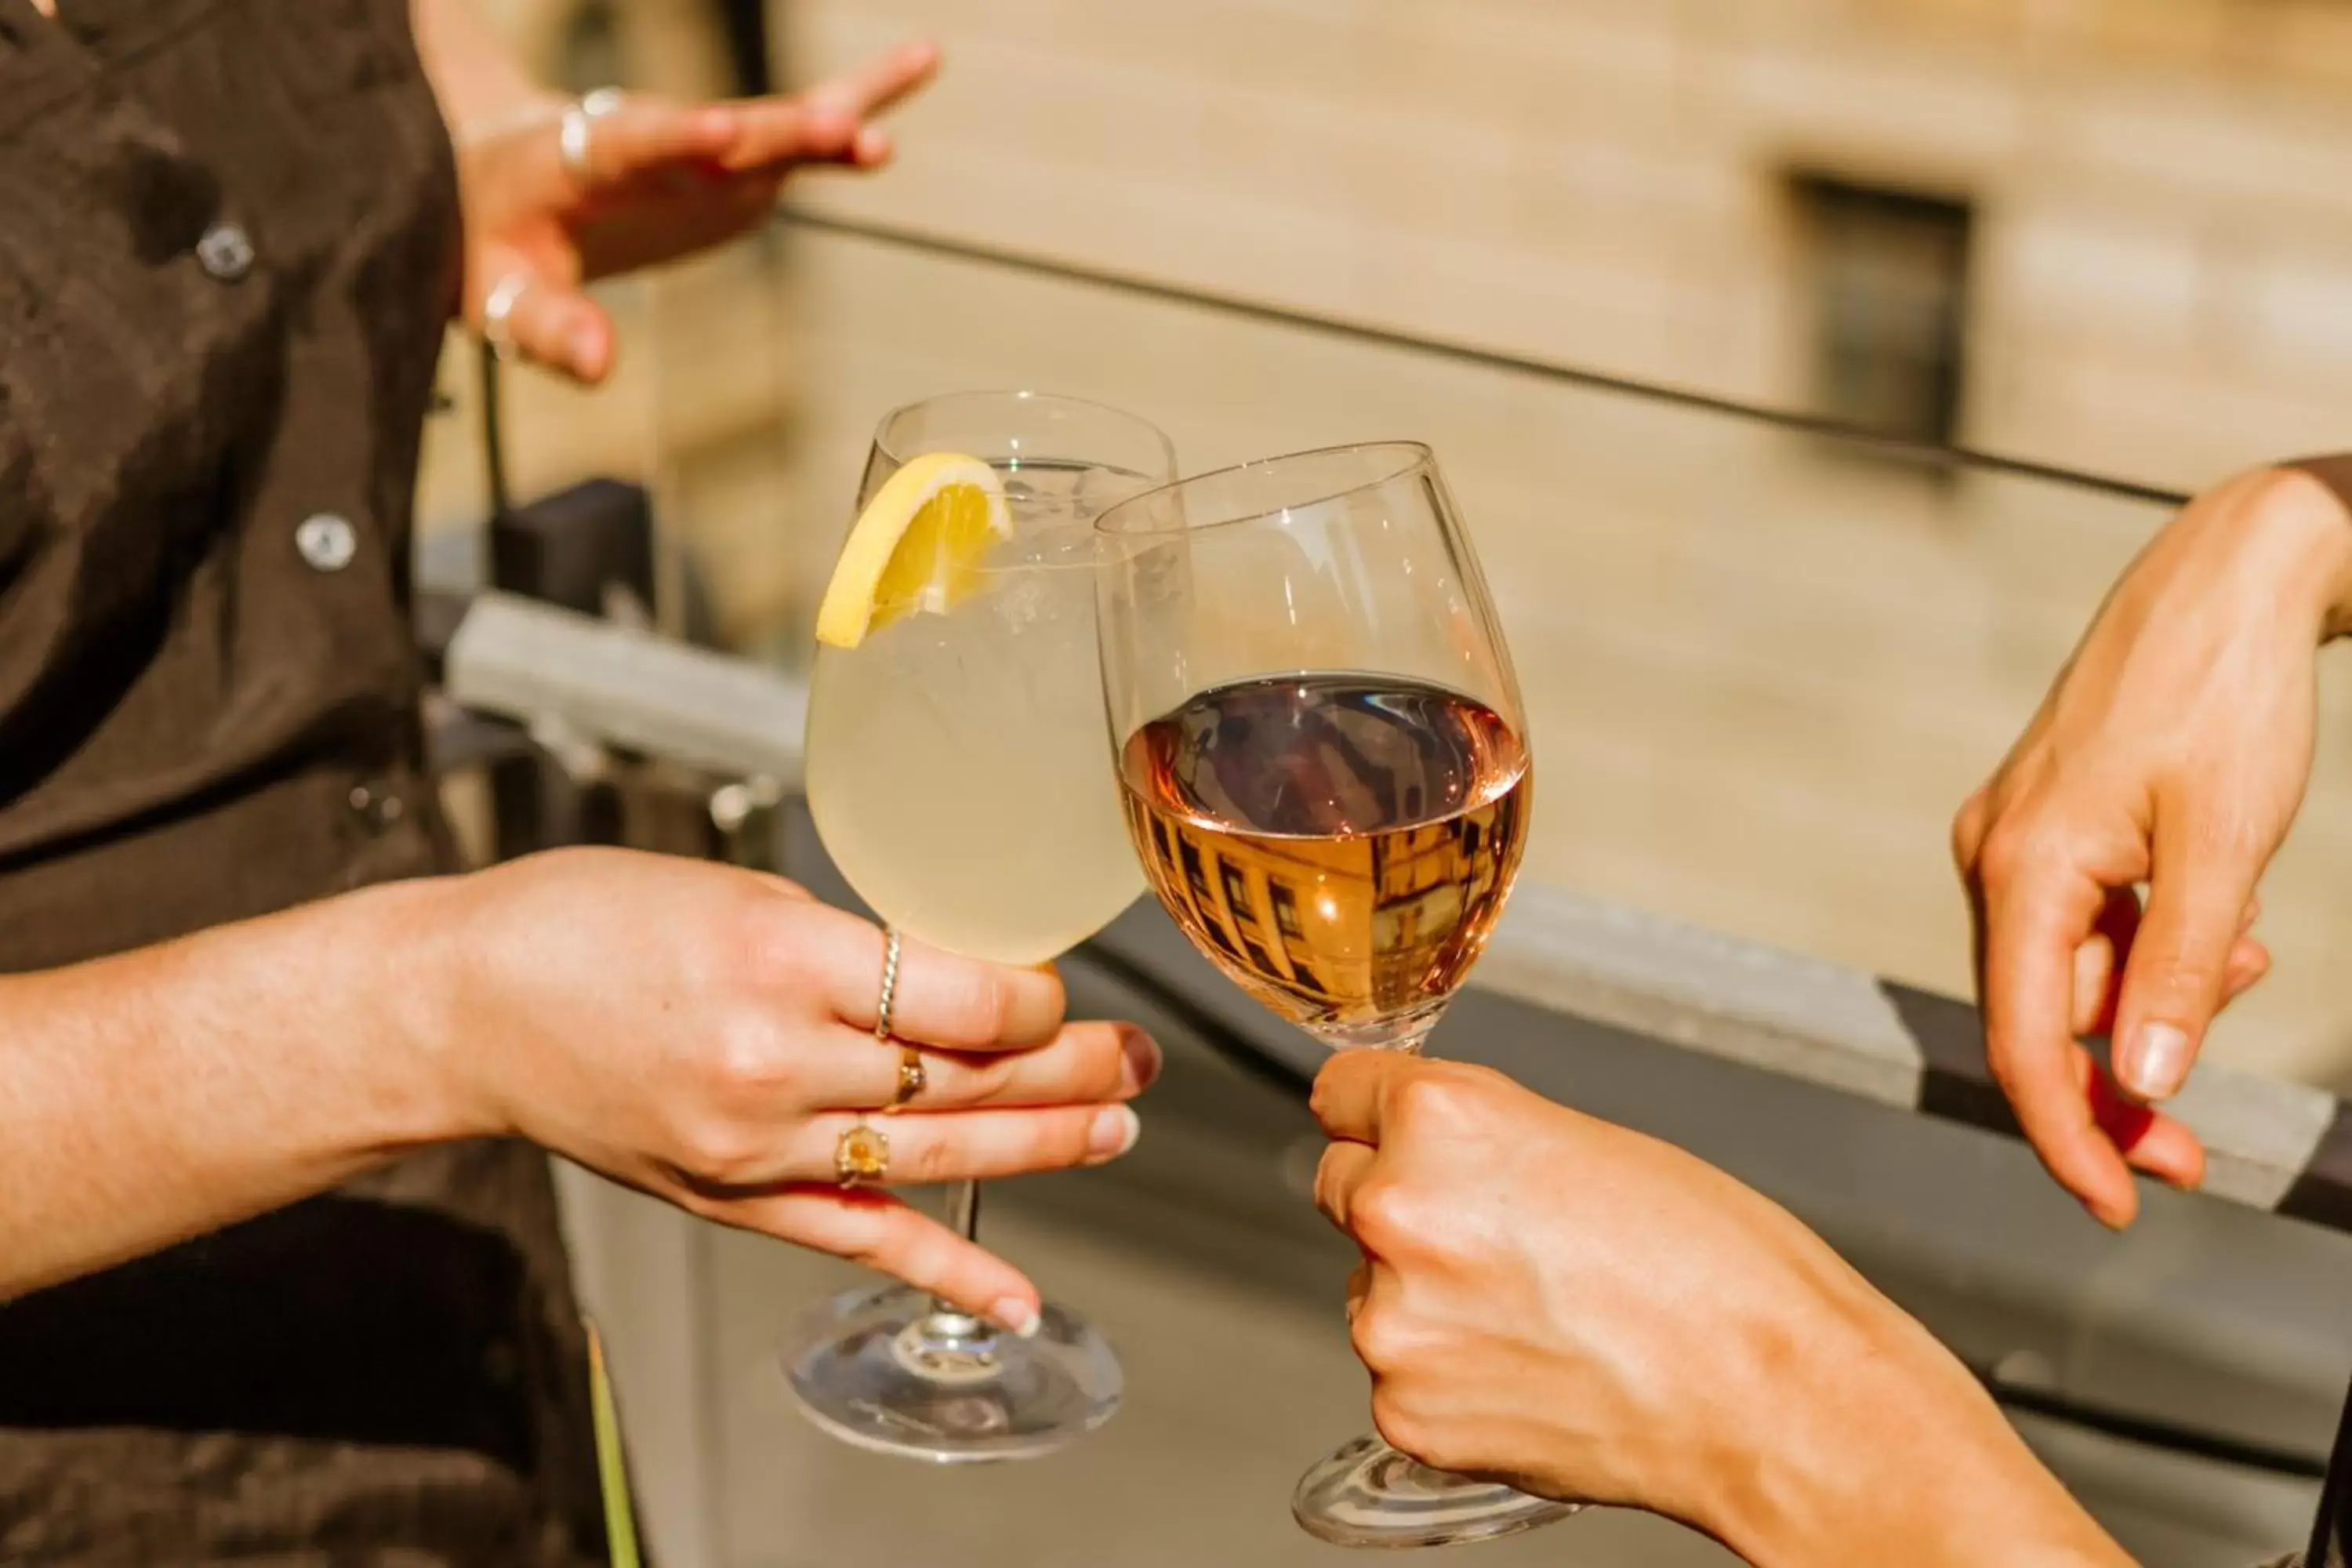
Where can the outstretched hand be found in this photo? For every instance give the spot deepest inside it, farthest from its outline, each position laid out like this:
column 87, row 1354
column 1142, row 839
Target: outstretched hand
column 651, row 179
column 2171, row 754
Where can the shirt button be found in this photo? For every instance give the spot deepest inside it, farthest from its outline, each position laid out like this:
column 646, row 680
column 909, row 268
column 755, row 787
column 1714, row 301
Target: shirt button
column 327, row 540
column 378, row 806
column 226, row 252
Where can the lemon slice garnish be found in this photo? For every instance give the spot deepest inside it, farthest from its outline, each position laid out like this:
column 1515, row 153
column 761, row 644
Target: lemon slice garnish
column 916, row 547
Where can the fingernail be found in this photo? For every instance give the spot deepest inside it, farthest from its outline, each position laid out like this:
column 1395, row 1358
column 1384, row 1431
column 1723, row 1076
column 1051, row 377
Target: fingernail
column 1139, row 1061
column 2154, row 1061
column 1017, row 1317
column 583, row 346
column 1114, row 1132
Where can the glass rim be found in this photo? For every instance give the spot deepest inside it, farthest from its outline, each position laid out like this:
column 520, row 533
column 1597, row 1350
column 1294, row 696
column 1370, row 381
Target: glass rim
column 883, row 444
column 1413, row 456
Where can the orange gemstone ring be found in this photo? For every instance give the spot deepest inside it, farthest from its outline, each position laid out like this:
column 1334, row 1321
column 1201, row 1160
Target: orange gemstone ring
column 862, row 1154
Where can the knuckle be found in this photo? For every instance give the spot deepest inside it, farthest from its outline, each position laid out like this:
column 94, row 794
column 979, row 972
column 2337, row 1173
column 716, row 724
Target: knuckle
column 1968, row 831
column 989, row 1080
column 2007, row 850
column 1102, row 1063
column 912, row 1256
column 976, row 1002
column 1066, row 1140
column 868, row 1248
column 1384, row 1217
column 1400, row 1420
column 1446, row 1098
column 931, row 1160
column 768, row 939
column 1327, row 1180
column 992, row 1003
column 748, row 1060
column 2008, row 1074
column 723, row 1152
column 1380, row 1340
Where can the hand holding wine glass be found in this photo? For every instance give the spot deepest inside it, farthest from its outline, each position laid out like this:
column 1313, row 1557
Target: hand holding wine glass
column 1598, row 1314
column 1326, row 772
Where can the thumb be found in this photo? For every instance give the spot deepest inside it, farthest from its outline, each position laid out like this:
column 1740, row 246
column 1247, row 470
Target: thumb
column 2178, row 974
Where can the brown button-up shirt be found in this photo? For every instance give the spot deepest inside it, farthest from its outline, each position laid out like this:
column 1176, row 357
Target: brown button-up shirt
column 228, row 235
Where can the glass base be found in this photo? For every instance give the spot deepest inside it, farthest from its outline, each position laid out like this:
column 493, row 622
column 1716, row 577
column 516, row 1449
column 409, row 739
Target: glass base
column 882, row 1368
column 1367, row 1494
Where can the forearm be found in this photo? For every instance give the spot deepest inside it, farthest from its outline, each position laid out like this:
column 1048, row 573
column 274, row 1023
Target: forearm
column 1895, row 1454
column 151, row 1097
column 479, row 83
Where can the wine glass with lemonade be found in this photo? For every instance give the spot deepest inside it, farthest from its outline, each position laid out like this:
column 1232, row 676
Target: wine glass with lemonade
column 955, row 775
column 1324, row 764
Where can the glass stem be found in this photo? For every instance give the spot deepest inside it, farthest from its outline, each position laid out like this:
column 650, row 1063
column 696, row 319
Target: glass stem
column 1403, row 1035
column 947, row 1321
column 963, row 1210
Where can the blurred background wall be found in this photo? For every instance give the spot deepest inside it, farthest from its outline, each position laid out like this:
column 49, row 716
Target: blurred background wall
column 1762, row 672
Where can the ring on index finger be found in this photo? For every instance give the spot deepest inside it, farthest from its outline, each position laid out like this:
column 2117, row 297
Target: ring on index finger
column 498, row 311
column 579, row 125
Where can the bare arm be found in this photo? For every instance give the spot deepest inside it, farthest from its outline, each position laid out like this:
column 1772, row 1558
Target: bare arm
column 649, row 179
column 1654, row 1333
column 700, row 1032
column 2172, row 753
column 146, row 1098
column 476, row 78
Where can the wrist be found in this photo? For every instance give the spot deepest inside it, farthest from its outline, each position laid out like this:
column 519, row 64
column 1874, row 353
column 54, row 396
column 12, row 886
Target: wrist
column 2300, row 525
column 1897, row 1453
column 409, row 975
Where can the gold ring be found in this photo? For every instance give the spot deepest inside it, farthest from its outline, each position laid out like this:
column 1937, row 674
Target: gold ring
column 862, row 1154
column 912, row 1079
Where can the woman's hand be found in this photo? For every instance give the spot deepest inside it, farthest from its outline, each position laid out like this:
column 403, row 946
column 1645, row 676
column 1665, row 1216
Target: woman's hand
column 706, row 1034
column 658, row 180
column 1589, row 1313
column 2172, row 753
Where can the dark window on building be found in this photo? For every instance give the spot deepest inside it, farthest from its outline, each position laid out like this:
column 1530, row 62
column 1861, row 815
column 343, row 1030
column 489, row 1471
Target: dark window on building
column 1308, row 979
column 1887, row 277
column 1237, row 897
column 1193, row 873
column 1258, row 960
column 1286, row 910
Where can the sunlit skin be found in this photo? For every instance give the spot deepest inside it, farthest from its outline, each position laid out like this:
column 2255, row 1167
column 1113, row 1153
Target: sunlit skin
column 2172, row 753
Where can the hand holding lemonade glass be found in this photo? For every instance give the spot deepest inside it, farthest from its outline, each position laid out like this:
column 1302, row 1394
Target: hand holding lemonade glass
column 955, row 773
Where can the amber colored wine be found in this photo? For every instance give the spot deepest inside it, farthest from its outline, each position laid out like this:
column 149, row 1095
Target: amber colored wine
column 1340, row 844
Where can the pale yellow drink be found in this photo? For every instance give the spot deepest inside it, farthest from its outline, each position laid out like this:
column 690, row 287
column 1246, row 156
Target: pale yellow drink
column 955, row 766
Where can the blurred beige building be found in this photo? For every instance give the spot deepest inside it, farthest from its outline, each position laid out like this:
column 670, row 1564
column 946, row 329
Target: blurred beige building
column 2113, row 234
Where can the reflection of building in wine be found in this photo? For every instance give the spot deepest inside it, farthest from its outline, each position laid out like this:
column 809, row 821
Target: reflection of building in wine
column 1343, row 929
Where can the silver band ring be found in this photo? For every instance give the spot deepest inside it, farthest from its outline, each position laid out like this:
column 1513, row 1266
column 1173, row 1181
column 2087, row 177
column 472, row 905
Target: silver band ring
column 498, row 307
column 578, row 125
